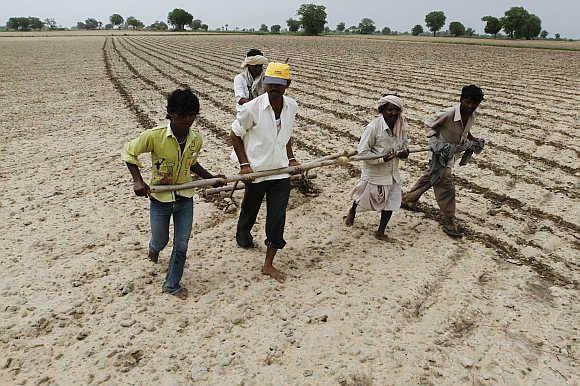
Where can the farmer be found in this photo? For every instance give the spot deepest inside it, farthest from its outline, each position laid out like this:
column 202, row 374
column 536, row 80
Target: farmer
column 262, row 140
column 379, row 188
column 449, row 134
column 249, row 83
column 174, row 150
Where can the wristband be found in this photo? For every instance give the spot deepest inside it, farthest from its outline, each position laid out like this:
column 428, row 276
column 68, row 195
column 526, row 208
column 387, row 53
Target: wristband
column 245, row 164
column 292, row 158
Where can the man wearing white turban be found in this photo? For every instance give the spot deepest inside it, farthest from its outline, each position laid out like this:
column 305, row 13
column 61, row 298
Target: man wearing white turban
column 379, row 188
column 248, row 84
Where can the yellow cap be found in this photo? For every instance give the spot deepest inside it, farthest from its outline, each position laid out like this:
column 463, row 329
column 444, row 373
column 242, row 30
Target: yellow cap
column 277, row 73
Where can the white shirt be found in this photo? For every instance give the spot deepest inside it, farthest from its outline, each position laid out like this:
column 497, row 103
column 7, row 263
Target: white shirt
column 265, row 145
column 243, row 83
column 378, row 139
column 241, row 90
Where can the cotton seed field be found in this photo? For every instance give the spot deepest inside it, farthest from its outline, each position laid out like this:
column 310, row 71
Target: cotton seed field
column 81, row 301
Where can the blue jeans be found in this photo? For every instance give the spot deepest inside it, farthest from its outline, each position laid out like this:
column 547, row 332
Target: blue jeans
column 160, row 213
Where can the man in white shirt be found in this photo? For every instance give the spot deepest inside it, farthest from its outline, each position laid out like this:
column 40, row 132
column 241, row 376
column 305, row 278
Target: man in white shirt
column 249, row 83
column 262, row 140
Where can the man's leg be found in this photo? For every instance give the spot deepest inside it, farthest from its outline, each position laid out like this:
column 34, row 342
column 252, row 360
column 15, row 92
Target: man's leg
column 159, row 216
column 411, row 198
column 385, row 217
column 445, row 194
column 253, row 196
column 349, row 220
column 182, row 222
column 277, row 196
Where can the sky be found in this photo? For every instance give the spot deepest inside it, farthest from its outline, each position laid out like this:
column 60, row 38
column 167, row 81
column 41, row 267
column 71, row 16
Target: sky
column 558, row 16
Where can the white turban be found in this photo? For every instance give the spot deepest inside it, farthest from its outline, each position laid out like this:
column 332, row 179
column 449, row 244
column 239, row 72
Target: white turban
column 254, row 60
column 392, row 99
column 401, row 124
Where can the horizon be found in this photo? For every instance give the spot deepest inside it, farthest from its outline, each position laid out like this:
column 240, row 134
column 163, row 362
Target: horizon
column 556, row 18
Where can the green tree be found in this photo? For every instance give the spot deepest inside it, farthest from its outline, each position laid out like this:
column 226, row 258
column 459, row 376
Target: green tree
column 263, row 28
column 532, row 28
column 293, row 25
column 417, row 30
column 518, row 23
column 91, row 23
column 275, row 28
column 204, row 27
column 544, row 34
column 109, row 26
column 158, row 26
column 557, row 36
column 435, row 21
column 366, row 26
column 35, row 23
column 81, row 25
column 195, row 24
column 135, row 23
column 456, row 28
column 312, row 18
column 18, row 23
column 179, row 18
column 470, row 32
column 492, row 25
column 116, row 19
column 386, row 31
column 340, row 27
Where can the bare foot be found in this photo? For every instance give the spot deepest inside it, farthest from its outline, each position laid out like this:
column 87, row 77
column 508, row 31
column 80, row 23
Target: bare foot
column 274, row 273
column 382, row 236
column 349, row 220
column 181, row 293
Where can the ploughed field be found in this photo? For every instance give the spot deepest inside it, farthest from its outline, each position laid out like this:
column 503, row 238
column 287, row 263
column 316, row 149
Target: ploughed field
column 81, row 302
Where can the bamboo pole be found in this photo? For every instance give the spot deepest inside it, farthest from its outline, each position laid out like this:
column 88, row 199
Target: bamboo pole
column 338, row 158
column 211, row 191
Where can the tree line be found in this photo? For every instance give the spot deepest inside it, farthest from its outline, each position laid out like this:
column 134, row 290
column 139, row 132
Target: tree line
column 517, row 23
column 310, row 19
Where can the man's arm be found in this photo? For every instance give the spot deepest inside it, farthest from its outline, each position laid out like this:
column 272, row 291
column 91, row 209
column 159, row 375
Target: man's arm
column 241, row 125
column 241, row 90
column 238, row 144
column 366, row 144
column 201, row 171
column 139, row 145
column 139, row 186
column 290, row 153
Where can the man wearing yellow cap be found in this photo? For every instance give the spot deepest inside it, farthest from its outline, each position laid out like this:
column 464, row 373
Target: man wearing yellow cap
column 262, row 140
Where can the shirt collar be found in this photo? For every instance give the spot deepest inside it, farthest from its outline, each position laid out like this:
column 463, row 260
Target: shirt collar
column 170, row 132
column 457, row 116
column 266, row 101
column 384, row 125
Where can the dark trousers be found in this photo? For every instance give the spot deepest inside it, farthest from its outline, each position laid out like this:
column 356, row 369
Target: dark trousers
column 277, row 193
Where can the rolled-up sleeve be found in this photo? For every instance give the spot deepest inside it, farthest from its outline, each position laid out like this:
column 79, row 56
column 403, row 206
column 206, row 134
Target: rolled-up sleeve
column 132, row 150
column 434, row 122
column 243, row 122
column 366, row 144
column 240, row 88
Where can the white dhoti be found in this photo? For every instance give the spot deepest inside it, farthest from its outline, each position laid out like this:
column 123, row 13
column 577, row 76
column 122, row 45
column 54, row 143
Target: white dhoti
column 369, row 196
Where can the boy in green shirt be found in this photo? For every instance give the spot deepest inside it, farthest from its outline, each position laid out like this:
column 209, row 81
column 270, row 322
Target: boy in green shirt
column 174, row 151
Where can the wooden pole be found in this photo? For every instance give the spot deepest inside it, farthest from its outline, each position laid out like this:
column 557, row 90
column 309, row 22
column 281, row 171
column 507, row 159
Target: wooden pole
column 324, row 161
column 211, row 191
